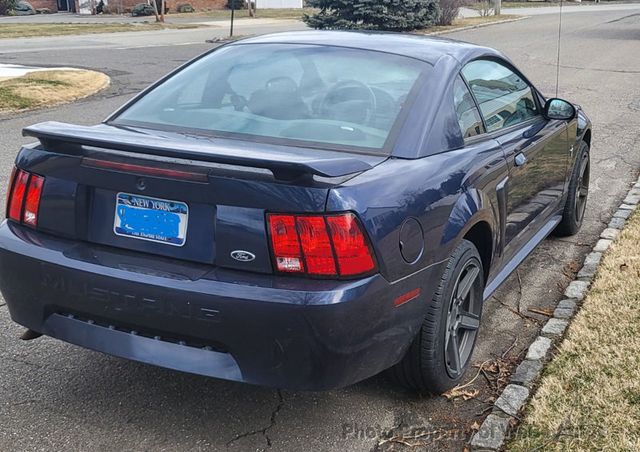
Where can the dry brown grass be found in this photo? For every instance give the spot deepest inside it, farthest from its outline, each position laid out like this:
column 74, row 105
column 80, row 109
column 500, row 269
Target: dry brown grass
column 30, row 30
column 48, row 88
column 589, row 397
column 268, row 13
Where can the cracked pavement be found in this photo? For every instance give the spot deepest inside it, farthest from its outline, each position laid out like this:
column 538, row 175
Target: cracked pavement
column 55, row 396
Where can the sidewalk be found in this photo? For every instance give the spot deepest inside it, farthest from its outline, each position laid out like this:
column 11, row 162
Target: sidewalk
column 9, row 71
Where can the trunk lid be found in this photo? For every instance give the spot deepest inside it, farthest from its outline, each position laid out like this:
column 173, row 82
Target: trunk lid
column 205, row 199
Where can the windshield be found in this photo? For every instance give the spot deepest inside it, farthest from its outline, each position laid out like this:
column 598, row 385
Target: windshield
column 332, row 97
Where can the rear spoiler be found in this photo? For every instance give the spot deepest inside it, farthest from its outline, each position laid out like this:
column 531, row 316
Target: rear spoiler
column 284, row 162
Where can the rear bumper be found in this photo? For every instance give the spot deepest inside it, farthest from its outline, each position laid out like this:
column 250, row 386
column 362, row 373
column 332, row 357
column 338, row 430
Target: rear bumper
column 261, row 329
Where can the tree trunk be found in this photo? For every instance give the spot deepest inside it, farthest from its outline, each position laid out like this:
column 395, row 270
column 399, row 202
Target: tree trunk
column 155, row 10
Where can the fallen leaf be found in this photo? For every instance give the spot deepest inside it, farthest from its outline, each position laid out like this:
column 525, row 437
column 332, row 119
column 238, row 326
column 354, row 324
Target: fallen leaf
column 470, row 394
column 571, row 268
column 543, row 311
column 464, row 394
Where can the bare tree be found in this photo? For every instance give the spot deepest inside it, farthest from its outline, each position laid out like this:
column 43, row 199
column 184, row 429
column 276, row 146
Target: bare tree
column 449, row 10
column 486, row 8
column 155, row 9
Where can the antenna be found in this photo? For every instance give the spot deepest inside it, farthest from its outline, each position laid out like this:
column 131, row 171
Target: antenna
column 558, row 59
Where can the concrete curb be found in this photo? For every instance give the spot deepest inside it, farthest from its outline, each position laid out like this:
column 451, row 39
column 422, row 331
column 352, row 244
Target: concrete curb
column 493, row 433
column 472, row 27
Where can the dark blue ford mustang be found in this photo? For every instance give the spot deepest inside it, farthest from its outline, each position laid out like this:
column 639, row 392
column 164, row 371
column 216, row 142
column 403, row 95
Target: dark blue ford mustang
column 297, row 210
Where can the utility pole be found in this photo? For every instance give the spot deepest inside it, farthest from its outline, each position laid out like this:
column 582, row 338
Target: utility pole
column 233, row 13
column 497, row 7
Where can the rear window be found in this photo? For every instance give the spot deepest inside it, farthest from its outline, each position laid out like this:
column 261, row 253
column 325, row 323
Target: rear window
column 329, row 97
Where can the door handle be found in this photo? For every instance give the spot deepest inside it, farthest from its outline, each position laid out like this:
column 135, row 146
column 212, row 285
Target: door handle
column 520, row 159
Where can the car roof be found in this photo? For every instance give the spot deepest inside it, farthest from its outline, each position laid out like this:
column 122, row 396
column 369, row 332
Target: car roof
column 425, row 48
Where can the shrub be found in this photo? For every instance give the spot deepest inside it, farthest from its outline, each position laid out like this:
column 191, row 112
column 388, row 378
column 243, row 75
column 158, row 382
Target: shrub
column 142, row 9
column 388, row 15
column 6, row 6
column 185, row 8
column 449, row 10
column 485, row 8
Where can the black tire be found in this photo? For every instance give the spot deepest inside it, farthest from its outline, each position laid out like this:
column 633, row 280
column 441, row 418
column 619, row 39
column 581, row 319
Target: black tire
column 426, row 365
column 576, row 203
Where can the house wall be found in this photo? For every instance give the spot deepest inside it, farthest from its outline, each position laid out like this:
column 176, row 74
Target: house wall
column 51, row 4
column 121, row 6
column 198, row 5
column 279, row 3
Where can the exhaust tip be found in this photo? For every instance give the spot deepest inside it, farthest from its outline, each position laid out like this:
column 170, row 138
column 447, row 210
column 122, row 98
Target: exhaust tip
column 30, row 335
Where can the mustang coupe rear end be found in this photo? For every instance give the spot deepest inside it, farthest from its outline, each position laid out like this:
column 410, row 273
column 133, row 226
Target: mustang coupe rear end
column 297, row 210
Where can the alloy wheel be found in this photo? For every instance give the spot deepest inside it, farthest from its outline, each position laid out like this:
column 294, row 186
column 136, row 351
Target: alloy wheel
column 463, row 319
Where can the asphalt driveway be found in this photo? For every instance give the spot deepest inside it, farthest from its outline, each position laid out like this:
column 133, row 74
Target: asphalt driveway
column 55, row 396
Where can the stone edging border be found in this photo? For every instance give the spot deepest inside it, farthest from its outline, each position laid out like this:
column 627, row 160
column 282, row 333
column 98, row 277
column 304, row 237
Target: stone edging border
column 471, row 27
column 492, row 434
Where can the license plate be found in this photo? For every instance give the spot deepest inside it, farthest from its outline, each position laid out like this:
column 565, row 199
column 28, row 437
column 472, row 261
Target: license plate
column 152, row 219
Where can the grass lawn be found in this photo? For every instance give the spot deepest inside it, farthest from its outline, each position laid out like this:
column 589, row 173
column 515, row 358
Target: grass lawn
column 468, row 22
column 47, row 88
column 589, row 396
column 29, row 30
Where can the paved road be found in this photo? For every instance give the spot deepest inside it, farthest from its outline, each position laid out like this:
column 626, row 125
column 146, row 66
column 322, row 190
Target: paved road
column 65, row 45
column 567, row 7
column 55, row 396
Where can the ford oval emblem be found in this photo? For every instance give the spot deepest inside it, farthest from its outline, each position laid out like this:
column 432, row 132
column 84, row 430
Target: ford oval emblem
column 243, row 256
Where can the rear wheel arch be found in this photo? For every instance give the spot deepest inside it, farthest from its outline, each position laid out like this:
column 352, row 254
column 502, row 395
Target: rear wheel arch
column 587, row 137
column 472, row 219
column 481, row 235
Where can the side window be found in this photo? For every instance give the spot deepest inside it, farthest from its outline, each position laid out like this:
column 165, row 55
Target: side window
column 504, row 98
column 468, row 116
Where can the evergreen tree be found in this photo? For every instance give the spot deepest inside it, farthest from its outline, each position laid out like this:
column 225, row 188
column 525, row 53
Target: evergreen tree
column 388, row 15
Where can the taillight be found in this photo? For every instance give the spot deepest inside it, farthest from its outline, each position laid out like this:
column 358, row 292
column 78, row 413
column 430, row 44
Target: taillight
column 352, row 250
column 16, row 197
column 316, row 245
column 285, row 244
column 32, row 203
column 321, row 245
column 23, row 200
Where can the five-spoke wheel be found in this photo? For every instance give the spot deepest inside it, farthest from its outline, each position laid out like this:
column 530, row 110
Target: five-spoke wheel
column 441, row 352
column 463, row 320
column 576, row 203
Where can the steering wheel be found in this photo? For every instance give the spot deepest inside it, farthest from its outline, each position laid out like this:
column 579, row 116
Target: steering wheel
column 350, row 92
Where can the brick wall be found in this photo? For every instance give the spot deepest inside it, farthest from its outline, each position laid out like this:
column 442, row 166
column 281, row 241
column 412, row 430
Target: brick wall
column 198, row 5
column 51, row 4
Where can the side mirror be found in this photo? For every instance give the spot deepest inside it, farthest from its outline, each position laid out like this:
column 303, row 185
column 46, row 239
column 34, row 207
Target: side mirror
column 559, row 109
